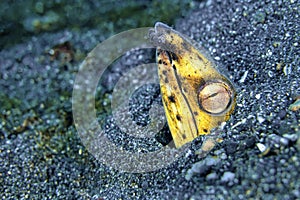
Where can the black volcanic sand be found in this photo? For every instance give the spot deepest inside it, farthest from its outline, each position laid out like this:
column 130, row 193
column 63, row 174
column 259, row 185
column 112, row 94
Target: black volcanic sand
column 255, row 43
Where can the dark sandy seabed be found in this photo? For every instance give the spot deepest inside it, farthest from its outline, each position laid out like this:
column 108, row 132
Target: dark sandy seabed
column 255, row 42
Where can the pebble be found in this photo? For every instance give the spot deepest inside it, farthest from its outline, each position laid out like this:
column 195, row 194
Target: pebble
column 260, row 119
column 261, row 147
column 201, row 167
column 277, row 140
column 257, row 96
column 223, row 156
column 227, row 177
column 211, row 161
column 212, row 176
column 243, row 78
column 291, row 137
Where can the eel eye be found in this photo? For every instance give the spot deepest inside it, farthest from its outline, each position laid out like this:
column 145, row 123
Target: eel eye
column 215, row 97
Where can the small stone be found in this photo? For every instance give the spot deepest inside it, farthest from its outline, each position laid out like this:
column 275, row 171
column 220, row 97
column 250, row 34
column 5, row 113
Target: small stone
column 39, row 7
column 260, row 119
column 259, row 17
column 257, row 96
column 231, row 147
column 291, row 137
column 188, row 153
column 282, row 114
column 284, row 141
column 145, row 185
column 197, row 168
column 227, row 176
column 243, row 121
column 218, row 152
column 254, row 176
column 243, row 78
column 212, row 176
column 277, row 140
column 211, row 161
column 266, row 188
column 296, row 193
column 188, row 175
column 249, row 141
column 261, row 147
column 223, row 156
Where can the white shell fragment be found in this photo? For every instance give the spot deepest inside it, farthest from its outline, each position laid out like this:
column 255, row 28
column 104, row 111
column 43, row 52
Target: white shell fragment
column 261, row 147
